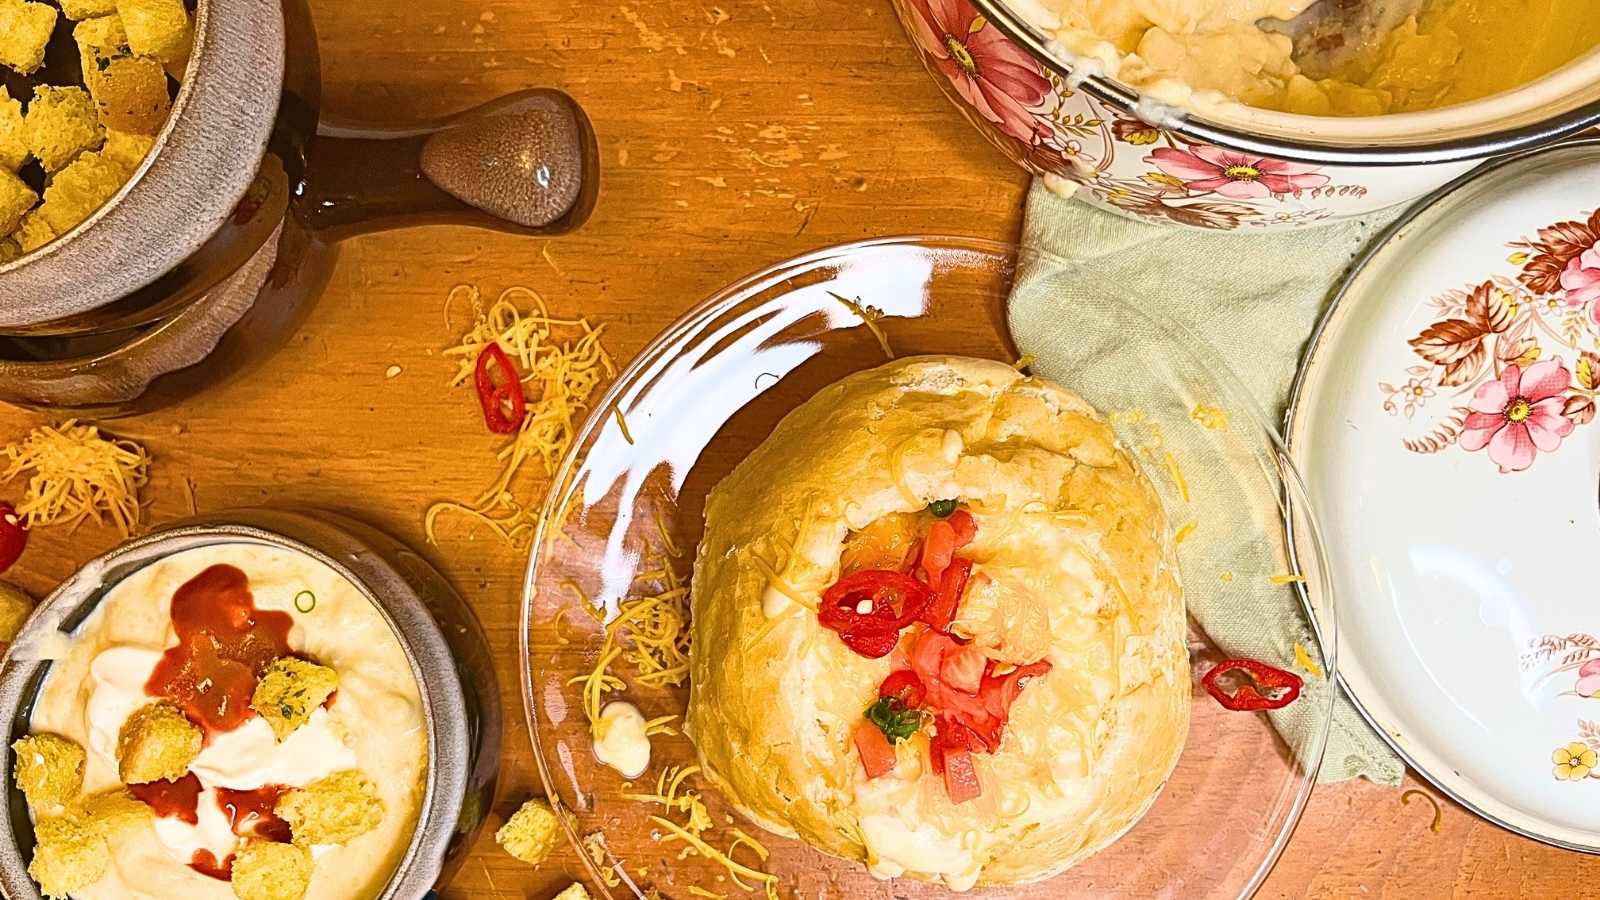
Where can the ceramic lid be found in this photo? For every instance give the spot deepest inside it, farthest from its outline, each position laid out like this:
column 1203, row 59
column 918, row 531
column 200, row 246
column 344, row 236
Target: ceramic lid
column 1444, row 420
column 205, row 158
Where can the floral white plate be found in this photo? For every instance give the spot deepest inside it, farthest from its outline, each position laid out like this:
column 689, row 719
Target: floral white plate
column 1444, row 422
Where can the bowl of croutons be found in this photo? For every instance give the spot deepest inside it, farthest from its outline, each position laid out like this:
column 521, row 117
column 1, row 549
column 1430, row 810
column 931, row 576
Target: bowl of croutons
column 167, row 199
column 267, row 704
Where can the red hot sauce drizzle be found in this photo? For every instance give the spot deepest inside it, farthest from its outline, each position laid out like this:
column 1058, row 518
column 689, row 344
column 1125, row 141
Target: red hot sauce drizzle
column 172, row 799
column 224, row 643
column 250, row 813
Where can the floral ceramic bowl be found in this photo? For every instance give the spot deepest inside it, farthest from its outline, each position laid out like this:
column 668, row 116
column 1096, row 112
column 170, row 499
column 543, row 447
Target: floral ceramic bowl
column 1258, row 170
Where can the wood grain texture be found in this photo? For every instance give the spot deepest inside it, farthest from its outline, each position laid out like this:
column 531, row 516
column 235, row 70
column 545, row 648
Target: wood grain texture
column 732, row 135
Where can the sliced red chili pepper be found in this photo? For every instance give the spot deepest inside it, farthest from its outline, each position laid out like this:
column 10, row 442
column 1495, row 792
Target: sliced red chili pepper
column 942, row 611
column 497, row 399
column 905, row 686
column 870, row 642
column 894, row 600
column 1251, row 685
column 13, row 536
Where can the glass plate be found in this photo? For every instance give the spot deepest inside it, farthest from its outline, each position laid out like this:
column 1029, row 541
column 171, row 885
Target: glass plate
column 628, row 503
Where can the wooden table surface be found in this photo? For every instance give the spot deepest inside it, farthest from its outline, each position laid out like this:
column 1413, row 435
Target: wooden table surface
column 732, row 135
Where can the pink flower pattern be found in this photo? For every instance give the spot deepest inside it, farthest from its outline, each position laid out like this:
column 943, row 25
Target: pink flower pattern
column 1238, row 176
column 1519, row 415
column 1588, row 679
column 1581, row 280
column 994, row 76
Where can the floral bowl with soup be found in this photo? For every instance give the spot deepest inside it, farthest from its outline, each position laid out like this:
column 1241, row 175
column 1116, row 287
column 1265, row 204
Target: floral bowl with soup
column 1262, row 114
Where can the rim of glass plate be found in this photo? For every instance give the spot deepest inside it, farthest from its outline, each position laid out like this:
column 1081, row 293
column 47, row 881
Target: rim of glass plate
column 740, row 290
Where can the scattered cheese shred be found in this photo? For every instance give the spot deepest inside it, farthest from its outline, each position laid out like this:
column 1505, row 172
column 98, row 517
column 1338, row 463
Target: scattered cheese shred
column 1023, row 362
column 1286, row 578
column 1184, row 532
column 622, row 424
column 1438, row 812
column 563, row 373
column 1177, row 476
column 735, row 869
column 594, row 844
column 1211, row 417
column 660, row 725
column 79, row 474
column 1226, row 577
column 698, row 891
column 869, row 316
column 1302, row 658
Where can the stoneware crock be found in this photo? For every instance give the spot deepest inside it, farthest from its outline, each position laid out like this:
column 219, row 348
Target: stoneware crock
column 210, row 255
column 1259, row 170
column 438, row 630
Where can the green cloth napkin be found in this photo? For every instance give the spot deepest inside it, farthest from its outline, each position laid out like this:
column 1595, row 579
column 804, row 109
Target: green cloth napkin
column 1254, row 297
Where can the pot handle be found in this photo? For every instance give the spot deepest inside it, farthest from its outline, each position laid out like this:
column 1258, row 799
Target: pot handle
column 526, row 163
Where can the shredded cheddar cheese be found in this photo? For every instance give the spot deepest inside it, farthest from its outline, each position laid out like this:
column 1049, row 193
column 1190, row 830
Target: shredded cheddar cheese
column 622, row 424
column 78, row 474
column 869, row 316
column 1302, row 658
column 1438, row 812
column 1210, row 417
column 1023, row 362
column 1184, row 532
column 735, row 869
column 1281, row 580
column 563, row 371
column 1176, row 473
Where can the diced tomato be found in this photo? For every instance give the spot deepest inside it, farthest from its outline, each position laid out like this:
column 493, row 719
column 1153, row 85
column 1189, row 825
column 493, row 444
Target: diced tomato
column 963, row 668
column 947, row 602
column 877, row 754
column 1000, row 691
column 937, row 548
column 964, row 526
column 961, row 776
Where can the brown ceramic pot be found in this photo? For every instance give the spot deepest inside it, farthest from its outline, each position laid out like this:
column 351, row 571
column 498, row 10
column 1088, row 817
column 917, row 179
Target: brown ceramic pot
column 207, row 259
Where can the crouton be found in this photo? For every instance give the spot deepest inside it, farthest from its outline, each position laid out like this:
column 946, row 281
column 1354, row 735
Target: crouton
column 130, row 92
column 24, row 32
column 16, row 198
column 15, row 604
column 159, row 28
column 112, row 812
column 81, row 188
column 263, row 870
column 60, row 124
column 127, row 150
column 531, row 832
column 13, row 139
column 105, row 34
column 49, row 770
column 34, row 232
column 574, row 891
column 331, row 810
column 78, row 10
column 290, row 690
column 157, row 743
column 67, row 857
